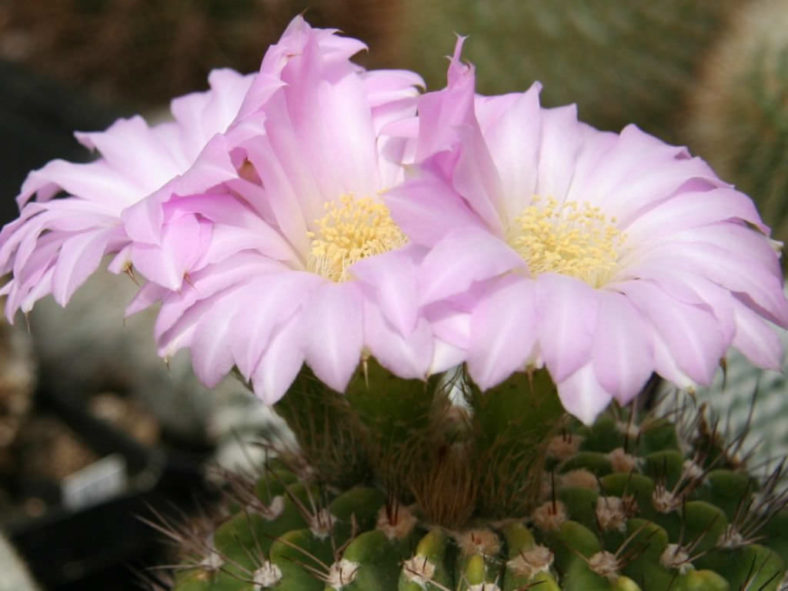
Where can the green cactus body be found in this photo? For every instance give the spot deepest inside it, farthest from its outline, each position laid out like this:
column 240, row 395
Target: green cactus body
column 623, row 505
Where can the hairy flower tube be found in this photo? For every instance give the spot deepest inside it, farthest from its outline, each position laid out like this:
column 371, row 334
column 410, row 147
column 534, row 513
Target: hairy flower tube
column 603, row 257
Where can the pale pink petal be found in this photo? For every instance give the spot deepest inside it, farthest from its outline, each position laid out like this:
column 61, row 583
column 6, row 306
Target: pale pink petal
column 691, row 332
column 558, row 152
column 583, row 395
column 263, row 304
column 445, row 357
column 407, row 355
column 210, row 344
column 622, row 352
column 756, row 339
column 504, row 333
column 79, row 257
column 427, row 209
column 566, row 316
column 464, row 256
column 514, row 140
column 333, row 333
column 691, row 210
column 393, row 282
column 281, row 362
column 442, row 112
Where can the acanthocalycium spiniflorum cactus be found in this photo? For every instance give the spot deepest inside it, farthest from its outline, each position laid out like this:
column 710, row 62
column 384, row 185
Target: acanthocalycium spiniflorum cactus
column 420, row 493
column 440, row 292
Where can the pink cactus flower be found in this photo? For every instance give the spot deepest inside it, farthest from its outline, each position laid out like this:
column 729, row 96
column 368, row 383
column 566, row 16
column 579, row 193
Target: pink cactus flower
column 296, row 260
column 56, row 243
column 602, row 256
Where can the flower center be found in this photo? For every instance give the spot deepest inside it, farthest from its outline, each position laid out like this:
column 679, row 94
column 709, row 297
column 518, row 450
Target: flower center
column 351, row 229
column 570, row 238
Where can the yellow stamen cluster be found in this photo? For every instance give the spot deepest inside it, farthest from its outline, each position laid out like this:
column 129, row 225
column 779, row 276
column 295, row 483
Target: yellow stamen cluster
column 351, row 229
column 570, row 238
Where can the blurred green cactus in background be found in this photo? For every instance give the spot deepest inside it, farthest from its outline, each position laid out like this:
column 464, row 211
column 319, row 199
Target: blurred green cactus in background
column 621, row 62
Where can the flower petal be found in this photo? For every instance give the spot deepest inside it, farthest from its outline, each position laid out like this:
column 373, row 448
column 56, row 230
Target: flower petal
column 566, row 316
column 464, row 256
column 503, row 329
column 333, row 333
column 583, row 395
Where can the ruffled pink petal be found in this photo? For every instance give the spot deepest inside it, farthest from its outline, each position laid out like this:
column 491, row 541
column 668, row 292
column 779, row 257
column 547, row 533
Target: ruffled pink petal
column 756, row 339
column 513, row 139
column 442, row 112
column 262, row 305
column 153, row 162
column 582, row 394
column 181, row 310
column 333, row 333
column 567, row 317
column 427, row 209
column 691, row 333
column 622, row 353
column 393, row 282
column 182, row 243
column 281, row 362
column 211, row 354
column 94, row 181
column 503, row 329
column 463, row 257
column 201, row 115
column 558, row 152
column 79, row 257
column 407, row 355
column 692, row 210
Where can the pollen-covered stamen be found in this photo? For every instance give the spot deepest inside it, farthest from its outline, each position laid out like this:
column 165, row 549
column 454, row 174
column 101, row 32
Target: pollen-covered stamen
column 351, row 230
column 569, row 238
